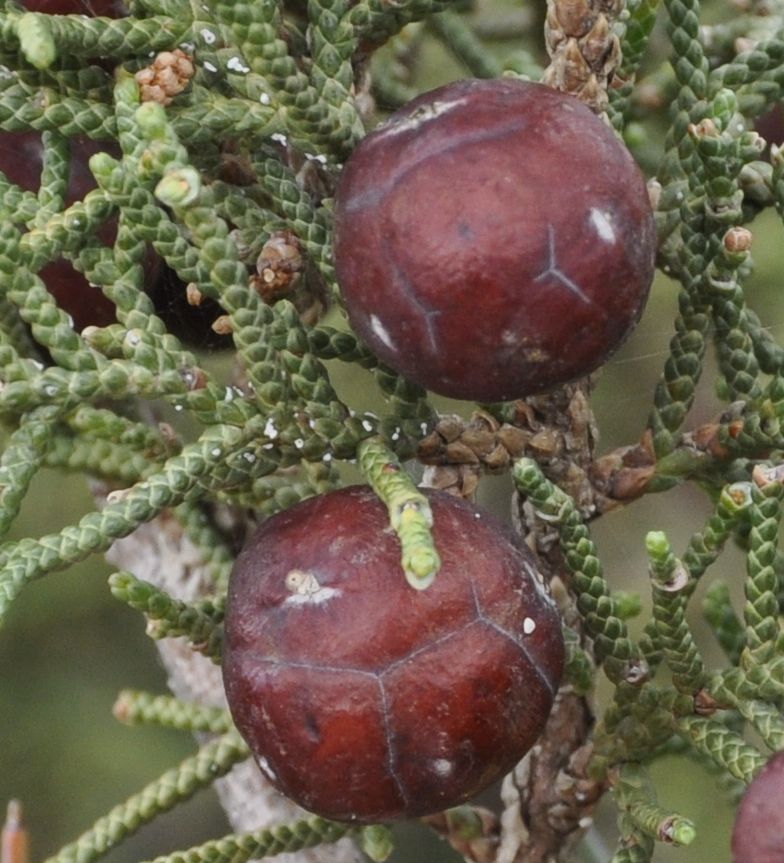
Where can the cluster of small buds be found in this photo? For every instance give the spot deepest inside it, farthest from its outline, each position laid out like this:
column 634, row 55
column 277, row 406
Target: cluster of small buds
column 166, row 77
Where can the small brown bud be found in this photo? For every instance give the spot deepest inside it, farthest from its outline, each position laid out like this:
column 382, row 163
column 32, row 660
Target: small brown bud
column 14, row 841
column 705, row 704
column 575, row 17
column 738, row 240
column 193, row 295
column 279, row 266
column 704, row 129
column 222, row 325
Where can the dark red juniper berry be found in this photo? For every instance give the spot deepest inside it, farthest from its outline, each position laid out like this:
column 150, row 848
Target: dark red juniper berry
column 107, row 8
column 21, row 160
column 365, row 699
column 758, row 834
column 493, row 239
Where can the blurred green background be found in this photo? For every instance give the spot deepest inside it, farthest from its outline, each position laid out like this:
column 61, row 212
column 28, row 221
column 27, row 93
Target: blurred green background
column 67, row 647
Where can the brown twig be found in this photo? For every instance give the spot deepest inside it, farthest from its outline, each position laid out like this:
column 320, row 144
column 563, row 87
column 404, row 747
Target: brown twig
column 584, row 51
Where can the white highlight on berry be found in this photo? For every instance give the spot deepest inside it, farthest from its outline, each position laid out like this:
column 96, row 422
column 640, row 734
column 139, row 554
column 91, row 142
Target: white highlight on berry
column 380, row 330
column 529, row 625
column 603, row 224
column 265, row 768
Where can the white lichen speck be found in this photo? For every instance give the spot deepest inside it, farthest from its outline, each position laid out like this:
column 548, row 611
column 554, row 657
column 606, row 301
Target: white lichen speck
column 236, row 65
column 306, row 590
column 442, row 766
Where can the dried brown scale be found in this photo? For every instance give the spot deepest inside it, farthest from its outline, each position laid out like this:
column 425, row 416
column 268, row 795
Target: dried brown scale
column 584, row 51
column 460, row 451
column 620, row 476
column 550, row 791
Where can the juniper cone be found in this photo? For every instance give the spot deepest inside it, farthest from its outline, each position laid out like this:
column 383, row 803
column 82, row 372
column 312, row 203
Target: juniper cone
column 336, row 669
column 534, row 266
column 756, row 834
column 228, row 140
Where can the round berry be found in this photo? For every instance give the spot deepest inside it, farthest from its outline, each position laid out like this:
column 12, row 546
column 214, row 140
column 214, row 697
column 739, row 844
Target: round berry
column 364, row 699
column 493, row 239
column 758, row 834
column 109, row 8
column 21, row 160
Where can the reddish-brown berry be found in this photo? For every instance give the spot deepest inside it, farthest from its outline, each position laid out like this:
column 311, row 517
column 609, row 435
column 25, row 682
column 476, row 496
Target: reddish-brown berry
column 758, row 834
column 21, row 160
column 493, row 239
column 365, row 699
column 109, row 8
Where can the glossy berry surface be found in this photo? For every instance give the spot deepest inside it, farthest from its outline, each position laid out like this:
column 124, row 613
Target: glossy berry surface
column 21, row 160
column 758, row 833
column 108, row 8
column 365, row 699
column 493, row 239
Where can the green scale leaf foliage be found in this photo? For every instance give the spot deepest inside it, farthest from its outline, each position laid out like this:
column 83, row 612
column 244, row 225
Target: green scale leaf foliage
column 193, row 194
